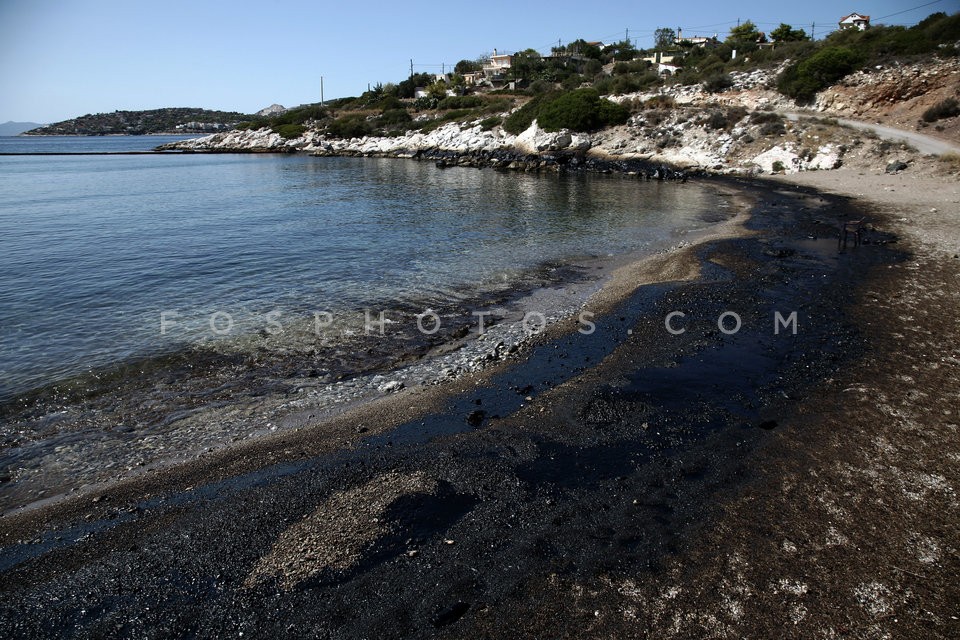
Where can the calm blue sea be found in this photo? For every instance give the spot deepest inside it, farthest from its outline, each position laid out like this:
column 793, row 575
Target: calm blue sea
column 93, row 248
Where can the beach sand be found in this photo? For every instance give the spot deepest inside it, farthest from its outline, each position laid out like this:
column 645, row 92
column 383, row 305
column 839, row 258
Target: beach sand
column 631, row 483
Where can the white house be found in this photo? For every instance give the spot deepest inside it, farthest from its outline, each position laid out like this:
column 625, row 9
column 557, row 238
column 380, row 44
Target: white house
column 497, row 64
column 855, row 21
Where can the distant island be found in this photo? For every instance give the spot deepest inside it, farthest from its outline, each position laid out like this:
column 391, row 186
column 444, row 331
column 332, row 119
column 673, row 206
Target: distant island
column 12, row 128
column 171, row 120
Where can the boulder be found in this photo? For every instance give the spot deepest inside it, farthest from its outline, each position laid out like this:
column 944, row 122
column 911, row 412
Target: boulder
column 896, row 165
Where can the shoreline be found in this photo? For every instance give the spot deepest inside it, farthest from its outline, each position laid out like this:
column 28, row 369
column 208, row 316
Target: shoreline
column 278, row 403
column 273, row 458
column 598, row 501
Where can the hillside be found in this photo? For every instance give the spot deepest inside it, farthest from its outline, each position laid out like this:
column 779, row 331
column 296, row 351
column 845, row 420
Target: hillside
column 153, row 121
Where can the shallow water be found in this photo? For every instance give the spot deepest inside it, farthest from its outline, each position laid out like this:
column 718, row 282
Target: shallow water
column 97, row 250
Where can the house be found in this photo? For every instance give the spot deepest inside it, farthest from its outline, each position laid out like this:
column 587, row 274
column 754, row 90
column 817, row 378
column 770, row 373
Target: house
column 658, row 58
column 855, row 21
column 696, row 41
column 497, row 64
column 474, row 78
column 664, row 69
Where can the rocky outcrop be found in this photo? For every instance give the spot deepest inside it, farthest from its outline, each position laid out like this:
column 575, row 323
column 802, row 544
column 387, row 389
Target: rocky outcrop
column 272, row 110
column 864, row 92
column 650, row 144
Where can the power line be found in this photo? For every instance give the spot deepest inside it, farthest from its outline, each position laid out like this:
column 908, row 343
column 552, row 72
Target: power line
column 909, row 10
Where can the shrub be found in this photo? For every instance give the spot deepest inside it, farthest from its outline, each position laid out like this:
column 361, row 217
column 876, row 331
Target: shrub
column 763, row 117
column 539, row 86
column 943, row 109
column 499, row 105
column 489, row 123
column 290, row 131
column 449, row 116
column 735, row 115
column 394, row 117
column 773, row 129
column 636, row 66
column 950, row 161
column 518, row 121
column 581, row 110
column 460, row 102
column 717, row 82
column 572, row 82
column 389, row 103
column 717, row 120
column 805, row 78
column 778, row 167
column 349, row 127
column 660, row 102
column 299, row 115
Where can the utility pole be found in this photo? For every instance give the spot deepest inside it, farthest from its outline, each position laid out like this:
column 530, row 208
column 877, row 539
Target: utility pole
column 411, row 67
column 321, row 91
column 627, row 38
column 813, row 31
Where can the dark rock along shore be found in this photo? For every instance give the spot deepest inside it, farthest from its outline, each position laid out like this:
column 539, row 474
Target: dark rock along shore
column 597, row 457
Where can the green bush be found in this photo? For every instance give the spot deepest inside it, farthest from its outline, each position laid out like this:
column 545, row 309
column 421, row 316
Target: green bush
column 299, row 115
column 943, row 109
column 460, row 102
column 489, row 123
column 773, row 129
column 389, row 103
column 394, row 117
column 581, row 110
column 498, row 105
column 349, row 127
column 449, row 116
column 805, row 78
column 521, row 119
column 763, row 117
column 539, row 86
column 725, row 120
column 289, row 131
column 717, row 82
column 627, row 83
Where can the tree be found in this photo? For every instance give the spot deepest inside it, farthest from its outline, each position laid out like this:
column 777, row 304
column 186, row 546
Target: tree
column 664, row 38
column 622, row 51
column 585, row 49
column 467, row 66
column 407, row 88
column 746, row 32
column 437, row 90
column 786, row 33
column 526, row 65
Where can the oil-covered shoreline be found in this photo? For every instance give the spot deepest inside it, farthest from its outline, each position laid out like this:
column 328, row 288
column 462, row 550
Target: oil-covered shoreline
column 588, row 455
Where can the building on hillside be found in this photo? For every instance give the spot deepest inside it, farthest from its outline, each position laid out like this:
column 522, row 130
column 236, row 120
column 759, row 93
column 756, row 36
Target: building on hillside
column 497, row 64
column 696, row 41
column 855, row 21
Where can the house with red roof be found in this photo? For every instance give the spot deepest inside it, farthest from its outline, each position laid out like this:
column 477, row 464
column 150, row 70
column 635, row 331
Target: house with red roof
column 855, row 21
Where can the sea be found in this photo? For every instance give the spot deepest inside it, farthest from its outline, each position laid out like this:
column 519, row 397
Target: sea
column 119, row 264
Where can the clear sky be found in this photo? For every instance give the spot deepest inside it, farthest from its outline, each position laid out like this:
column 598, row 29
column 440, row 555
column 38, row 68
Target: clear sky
column 65, row 58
